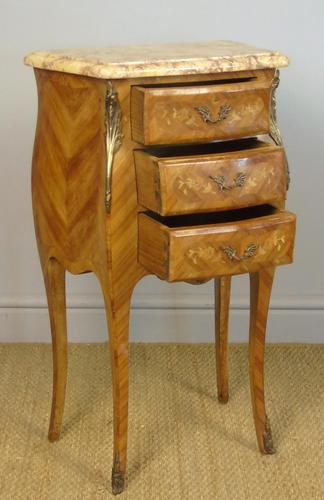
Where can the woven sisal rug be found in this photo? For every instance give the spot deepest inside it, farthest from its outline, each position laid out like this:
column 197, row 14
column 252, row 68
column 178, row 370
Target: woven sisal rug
column 183, row 444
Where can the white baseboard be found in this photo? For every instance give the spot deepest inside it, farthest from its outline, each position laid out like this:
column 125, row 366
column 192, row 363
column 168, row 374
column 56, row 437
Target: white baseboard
column 158, row 318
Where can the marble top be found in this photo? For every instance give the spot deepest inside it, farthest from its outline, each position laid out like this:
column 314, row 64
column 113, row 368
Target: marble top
column 157, row 60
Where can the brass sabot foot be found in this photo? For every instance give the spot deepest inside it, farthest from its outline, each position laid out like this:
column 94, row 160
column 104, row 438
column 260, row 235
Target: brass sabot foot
column 117, row 482
column 223, row 398
column 53, row 436
column 267, row 439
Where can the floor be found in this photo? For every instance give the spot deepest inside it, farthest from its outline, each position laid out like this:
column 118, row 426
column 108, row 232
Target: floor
column 183, row 444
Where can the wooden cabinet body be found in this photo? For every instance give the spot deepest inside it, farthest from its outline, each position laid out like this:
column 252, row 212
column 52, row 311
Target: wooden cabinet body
column 131, row 176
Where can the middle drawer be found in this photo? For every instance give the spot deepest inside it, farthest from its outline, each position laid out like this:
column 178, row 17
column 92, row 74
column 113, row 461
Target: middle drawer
column 211, row 178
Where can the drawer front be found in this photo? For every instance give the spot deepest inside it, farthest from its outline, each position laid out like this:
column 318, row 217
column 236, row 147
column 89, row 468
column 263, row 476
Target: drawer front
column 211, row 182
column 202, row 252
column 201, row 113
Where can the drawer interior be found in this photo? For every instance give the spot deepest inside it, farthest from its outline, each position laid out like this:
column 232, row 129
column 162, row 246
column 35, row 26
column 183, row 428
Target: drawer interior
column 205, row 219
column 219, row 81
column 216, row 147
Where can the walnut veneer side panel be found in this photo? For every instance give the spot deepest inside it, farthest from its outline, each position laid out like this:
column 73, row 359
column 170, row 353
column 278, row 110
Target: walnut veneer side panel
column 68, row 175
column 148, row 181
column 153, row 247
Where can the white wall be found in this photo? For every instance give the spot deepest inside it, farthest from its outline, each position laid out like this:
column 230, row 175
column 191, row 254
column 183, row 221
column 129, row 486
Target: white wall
column 162, row 311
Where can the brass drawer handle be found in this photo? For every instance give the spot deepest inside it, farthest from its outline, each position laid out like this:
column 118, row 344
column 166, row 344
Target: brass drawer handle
column 207, row 116
column 232, row 253
column 238, row 181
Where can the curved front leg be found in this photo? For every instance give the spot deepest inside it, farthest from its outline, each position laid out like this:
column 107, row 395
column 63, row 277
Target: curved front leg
column 222, row 303
column 118, row 325
column 260, row 291
column 54, row 277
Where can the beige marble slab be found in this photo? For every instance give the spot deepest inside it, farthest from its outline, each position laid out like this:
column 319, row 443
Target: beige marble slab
column 157, row 60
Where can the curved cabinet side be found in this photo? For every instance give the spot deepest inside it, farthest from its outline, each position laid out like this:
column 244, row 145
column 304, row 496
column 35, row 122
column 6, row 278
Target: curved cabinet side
column 68, row 172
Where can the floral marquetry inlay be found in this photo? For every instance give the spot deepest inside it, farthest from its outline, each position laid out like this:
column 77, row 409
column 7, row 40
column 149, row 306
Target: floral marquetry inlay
column 202, row 253
column 228, row 252
column 188, row 185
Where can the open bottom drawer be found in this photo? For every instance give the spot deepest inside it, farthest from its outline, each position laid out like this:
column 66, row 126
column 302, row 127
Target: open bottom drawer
column 203, row 246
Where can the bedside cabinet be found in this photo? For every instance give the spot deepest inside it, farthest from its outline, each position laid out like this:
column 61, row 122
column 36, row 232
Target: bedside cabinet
column 163, row 160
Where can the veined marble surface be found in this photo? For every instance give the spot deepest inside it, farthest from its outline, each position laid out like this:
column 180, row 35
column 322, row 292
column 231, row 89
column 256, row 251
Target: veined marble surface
column 157, row 60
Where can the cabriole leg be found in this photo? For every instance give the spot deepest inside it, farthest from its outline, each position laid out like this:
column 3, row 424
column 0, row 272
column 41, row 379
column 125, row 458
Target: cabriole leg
column 260, row 291
column 54, row 277
column 118, row 324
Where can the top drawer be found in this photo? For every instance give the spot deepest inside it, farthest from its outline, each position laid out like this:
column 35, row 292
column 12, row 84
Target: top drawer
column 201, row 112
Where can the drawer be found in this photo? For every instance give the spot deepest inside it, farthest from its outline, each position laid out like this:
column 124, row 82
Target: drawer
column 203, row 112
column 216, row 177
column 203, row 246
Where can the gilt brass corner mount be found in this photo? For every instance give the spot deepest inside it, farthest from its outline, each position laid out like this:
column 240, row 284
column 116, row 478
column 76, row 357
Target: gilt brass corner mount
column 113, row 136
column 275, row 133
